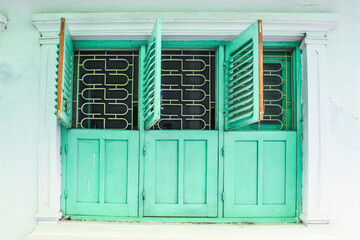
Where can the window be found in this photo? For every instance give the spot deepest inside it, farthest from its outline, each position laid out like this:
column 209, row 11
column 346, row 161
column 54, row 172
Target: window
column 134, row 145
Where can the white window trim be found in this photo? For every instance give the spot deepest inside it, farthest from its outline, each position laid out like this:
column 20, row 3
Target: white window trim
column 3, row 22
column 310, row 28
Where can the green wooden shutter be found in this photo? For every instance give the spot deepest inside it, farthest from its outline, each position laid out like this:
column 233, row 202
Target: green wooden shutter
column 260, row 174
column 180, row 178
column 64, row 80
column 244, row 78
column 152, row 77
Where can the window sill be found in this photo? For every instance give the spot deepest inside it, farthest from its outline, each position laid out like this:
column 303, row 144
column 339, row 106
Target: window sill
column 131, row 230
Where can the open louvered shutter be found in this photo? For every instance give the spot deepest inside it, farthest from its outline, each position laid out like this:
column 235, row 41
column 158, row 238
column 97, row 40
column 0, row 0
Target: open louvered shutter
column 244, row 78
column 152, row 77
column 64, row 81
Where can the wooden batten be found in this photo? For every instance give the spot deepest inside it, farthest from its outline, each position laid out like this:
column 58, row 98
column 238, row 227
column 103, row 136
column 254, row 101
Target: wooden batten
column 261, row 74
column 60, row 67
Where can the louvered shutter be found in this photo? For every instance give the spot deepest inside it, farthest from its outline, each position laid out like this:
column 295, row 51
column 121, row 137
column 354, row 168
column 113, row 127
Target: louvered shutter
column 64, row 80
column 152, row 77
column 244, row 78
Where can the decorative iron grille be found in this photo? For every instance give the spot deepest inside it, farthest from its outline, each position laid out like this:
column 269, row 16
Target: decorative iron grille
column 187, row 90
column 106, row 89
column 278, row 91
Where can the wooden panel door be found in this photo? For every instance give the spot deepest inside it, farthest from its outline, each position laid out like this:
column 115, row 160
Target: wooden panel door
column 260, row 174
column 181, row 173
column 102, row 172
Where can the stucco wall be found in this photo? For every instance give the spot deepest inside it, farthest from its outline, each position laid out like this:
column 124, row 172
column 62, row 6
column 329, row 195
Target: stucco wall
column 19, row 101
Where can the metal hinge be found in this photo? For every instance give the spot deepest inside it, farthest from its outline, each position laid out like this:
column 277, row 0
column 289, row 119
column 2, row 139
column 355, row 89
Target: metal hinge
column 66, row 149
column 143, row 195
column 65, row 194
column 223, row 152
column 144, row 150
column 223, row 196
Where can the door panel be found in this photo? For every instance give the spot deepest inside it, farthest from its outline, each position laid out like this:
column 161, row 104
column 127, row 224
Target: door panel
column 260, row 174
column 181, row 173
column 102, row 172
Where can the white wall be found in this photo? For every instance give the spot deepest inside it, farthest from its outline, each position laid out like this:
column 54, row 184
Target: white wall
column 19, row 87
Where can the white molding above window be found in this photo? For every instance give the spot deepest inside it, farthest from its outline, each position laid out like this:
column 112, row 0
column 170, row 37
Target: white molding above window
column 310, row 28
column 184, row 25
column 3, row 22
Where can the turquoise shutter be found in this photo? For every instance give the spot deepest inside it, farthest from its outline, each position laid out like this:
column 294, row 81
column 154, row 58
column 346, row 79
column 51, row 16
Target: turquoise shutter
column 244, row 78
column 64, row 81
column 152, row 77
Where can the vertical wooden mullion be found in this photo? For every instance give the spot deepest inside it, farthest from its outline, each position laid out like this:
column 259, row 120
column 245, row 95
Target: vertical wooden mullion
column 64, row 178
column 290, row 170
column 181, row 169
column 260, row 162
column 220, row 54
column 102, row 171
column 141, row 127
column 297, row 75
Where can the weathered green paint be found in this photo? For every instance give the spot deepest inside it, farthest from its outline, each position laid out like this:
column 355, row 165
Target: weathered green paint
column 260, row 179
column 141, row 136
column 102, row 172
column 243, row 81
column 179, row 139
column 181, row 173
column 151, row 78
column 64, row 154
column 108, row 44
column 136, row 44
column 220, row 123
column 299, row 129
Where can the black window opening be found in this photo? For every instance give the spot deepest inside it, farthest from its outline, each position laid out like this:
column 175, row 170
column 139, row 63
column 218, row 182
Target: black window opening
column 105, row 89
column 187, row 90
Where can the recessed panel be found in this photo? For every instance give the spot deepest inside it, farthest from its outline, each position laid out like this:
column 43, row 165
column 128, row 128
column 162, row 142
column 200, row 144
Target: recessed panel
column 116, row 170
column 88, row 171
column 166, row 171
column 195, row 161
column 274, row 172
column 246, row 172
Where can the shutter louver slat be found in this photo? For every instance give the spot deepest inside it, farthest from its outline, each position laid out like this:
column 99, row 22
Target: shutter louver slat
column 151, row 72
column 243, row 78
column 64, row 77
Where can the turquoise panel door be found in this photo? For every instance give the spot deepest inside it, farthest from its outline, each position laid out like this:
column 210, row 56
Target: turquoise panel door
column 102, row 172
column 260, row 174
column 181, row 173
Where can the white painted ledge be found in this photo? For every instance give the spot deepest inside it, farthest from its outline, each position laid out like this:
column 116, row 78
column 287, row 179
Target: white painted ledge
column 3, row 22
column 162, row 231
column 184, row 25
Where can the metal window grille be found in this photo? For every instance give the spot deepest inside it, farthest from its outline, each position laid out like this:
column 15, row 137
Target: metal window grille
column 105, row 89
column 278, row 91
column 187, row 90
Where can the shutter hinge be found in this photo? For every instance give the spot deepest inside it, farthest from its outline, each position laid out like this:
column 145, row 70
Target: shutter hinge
column 144, row 150
column 65, row 194
column 223, row 196
column 223, row 151
column 143, row 195
column 66, row 149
